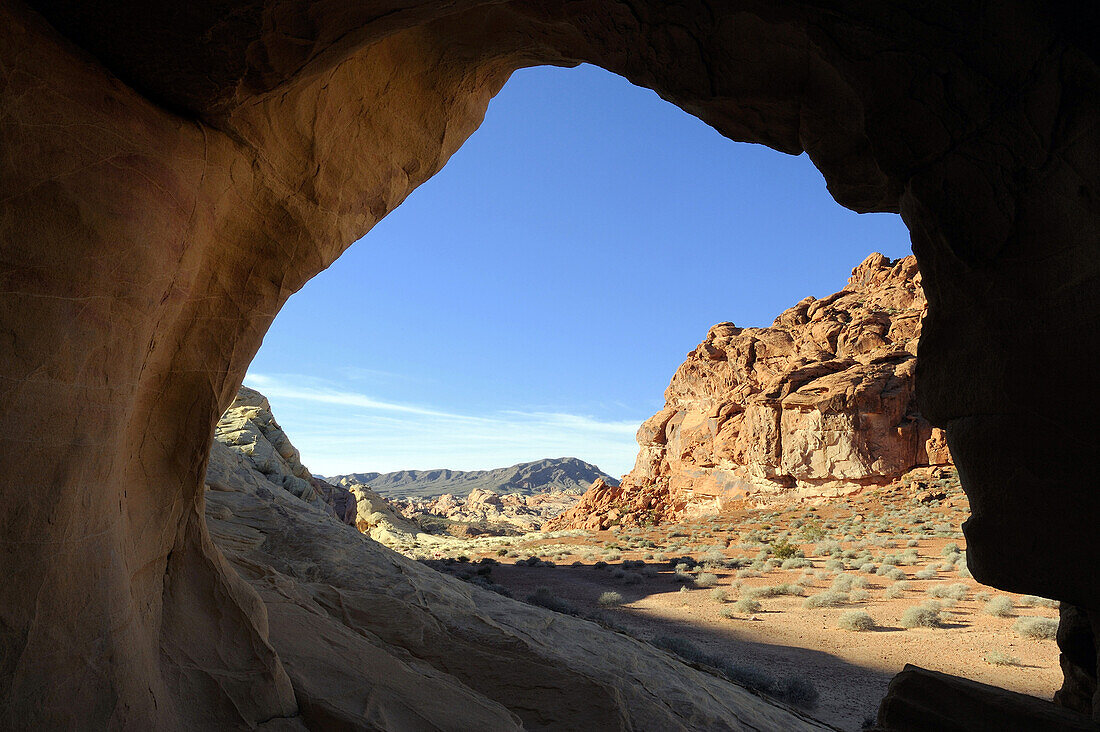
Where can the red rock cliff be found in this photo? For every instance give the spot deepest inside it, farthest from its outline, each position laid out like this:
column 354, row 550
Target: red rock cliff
column 820, row 403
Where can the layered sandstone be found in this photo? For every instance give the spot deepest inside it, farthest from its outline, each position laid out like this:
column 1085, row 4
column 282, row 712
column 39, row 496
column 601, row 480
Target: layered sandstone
column 174, row 172
column 372, row 640
column 483, row 511
column 822, row 402
column 248, row 439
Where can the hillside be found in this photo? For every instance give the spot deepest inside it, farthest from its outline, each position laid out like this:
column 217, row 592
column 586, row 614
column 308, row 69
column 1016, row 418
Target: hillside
column 568, row 475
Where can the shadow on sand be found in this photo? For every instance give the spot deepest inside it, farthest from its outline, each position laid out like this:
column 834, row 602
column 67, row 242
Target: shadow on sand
column 848, row 694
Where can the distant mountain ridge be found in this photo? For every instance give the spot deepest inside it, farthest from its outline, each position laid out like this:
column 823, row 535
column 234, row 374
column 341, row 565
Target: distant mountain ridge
column 540, row 476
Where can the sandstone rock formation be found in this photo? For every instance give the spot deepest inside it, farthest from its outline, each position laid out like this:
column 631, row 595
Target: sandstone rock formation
column 820, row 403
column 174, row 172
column 483, row 511
column 372, row 640
column 248, row 429
column 563, row 475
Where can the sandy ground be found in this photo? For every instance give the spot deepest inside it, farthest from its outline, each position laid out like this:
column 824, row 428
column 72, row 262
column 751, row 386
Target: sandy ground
column 849, row 669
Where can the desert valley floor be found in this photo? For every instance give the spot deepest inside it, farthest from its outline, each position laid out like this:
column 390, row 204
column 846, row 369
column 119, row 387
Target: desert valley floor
column 716, row 582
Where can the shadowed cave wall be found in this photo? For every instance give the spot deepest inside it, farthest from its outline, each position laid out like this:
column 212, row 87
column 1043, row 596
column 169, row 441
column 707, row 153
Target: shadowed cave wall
column 173, row 173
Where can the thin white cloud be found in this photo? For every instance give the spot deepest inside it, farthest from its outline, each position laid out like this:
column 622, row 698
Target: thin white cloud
column 274, row 387
column 339, row 430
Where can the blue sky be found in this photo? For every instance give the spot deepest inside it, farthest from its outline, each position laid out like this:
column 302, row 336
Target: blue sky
column 535, row 297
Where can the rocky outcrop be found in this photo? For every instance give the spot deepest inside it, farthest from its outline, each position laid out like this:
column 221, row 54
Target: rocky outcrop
column 920, row 699
column 560, row 475
column 174, row 172
column 483, row 511
column 372, row 640
column 249, row 445
column 820, row 403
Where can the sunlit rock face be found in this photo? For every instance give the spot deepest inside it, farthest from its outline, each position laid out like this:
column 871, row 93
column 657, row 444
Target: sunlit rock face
column 249, row 445
column 173, row 172
column 821, row 403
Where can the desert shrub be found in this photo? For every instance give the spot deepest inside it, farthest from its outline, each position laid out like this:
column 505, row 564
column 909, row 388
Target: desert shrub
column 600, row 565
column 812, row 532
column 773, row 591
column 956, row 591
column 998, row 607
column 1033, row 601
column 488, row 584
column 543, row 597
column 729, row 612
column 618, row 573
column 806, row 580
column 747, row 605
column 857, row 620
column 842, row 583
column 895, row 574
column 1037, row 628
column 926, row 574
column 950, row 548
column 921, row 616
column 631, row 578
column 999, row 658
column 649, row 571
column 743, row 573
column 610, row 599
column 792, row 689
column 783, row 549
column 884, row 570
column 719, row 594
column 796, row 563
column 895, row 590
column 706, row 579
column 858, row 595
column 912, row 542
column 867, row 568
column 774, row 563
column 835, row 565
column 830, row 598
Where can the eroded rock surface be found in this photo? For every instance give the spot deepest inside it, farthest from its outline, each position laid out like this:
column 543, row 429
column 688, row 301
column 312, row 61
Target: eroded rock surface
column 248, row 441
column 372, row 640
column 174, row 172
column 820, row 403
column 483, row 511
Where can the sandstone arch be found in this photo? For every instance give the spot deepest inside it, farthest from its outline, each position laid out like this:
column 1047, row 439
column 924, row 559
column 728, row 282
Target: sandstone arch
column 172, row 174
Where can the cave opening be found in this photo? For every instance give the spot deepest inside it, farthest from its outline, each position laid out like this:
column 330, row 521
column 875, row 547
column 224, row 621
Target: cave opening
column 178, row 177
column 449, row 267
